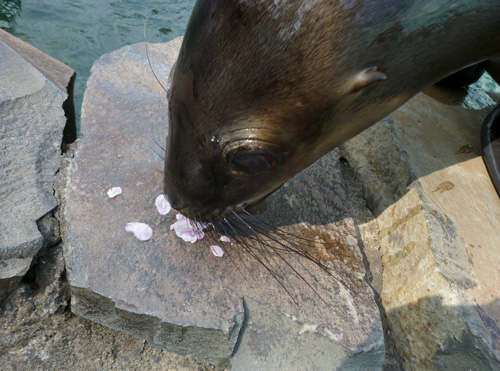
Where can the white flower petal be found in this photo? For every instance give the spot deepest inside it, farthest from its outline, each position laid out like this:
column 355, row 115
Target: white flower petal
column 216, row 250
column 224, row 239
column 114, row 191
column 188, row 230
column 141, row 231
column 162, row 205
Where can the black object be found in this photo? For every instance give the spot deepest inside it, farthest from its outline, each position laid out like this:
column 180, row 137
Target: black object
column 463, row 78
column 490, row 145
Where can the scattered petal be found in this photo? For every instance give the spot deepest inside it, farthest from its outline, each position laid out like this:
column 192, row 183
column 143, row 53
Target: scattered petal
column 188, row 230
column 224, row 239
column 162, row 205
column 216, row 250
column 141, row 231
column 114, row 191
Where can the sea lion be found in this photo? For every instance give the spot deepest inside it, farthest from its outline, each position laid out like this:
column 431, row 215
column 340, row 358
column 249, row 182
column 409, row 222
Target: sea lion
column 262, row 89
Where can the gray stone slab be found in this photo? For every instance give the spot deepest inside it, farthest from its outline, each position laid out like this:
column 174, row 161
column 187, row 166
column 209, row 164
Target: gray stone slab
column 439, row 225
column 178, row 295
column 31, row 131
column 53, row 70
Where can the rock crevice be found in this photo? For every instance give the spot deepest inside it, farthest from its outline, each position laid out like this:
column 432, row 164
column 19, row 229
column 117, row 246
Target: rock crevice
column 32, row 94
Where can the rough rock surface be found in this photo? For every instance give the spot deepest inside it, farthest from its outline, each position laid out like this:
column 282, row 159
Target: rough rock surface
column 439, row 221
column 177, row 295
column 38, row 332
column 33, row 89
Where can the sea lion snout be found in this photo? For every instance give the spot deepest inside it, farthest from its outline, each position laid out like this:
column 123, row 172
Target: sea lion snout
column 189, row 184
column 210, row 188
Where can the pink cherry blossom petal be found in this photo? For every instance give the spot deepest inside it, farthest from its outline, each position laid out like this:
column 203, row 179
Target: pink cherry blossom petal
column 216, row 250
column 224, row 239
column 188, row 230
column 141, row 231
column 162, row 205
column 114, row 191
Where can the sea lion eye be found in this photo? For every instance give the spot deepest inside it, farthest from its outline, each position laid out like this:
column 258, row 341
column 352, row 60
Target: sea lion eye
column 254, row 163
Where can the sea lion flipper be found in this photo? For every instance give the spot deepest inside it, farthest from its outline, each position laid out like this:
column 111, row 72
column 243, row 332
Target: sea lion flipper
column 490, row 144
column 490, row 131
column 367, row 77
column 493, row 68
column 463, row 78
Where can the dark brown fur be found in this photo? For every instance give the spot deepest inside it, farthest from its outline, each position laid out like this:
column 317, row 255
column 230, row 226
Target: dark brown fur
column 281, row 85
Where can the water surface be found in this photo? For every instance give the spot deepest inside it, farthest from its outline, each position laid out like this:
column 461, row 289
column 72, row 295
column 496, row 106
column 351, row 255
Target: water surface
column 78, row 32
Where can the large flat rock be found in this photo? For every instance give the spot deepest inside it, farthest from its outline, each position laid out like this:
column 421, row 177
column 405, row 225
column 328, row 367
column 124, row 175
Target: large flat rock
column 228, row 311
column 439, row 226
column 31, row 133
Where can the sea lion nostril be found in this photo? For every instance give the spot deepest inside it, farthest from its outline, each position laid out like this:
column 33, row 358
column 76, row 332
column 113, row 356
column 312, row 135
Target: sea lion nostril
column 176, row 202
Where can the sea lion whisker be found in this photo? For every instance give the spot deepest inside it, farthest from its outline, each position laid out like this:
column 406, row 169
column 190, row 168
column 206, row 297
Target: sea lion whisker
column 292, row 248
column 266, row 232
column 157, row 154
column 241, row 219
column 259, row 256
column 213, row 234
column 270, row 247
column 308, row 256
column 147, row 52
column 274, row 228
column 237, row 251
column 158, row 144
column 267, row 246
column 264, row 248
column 251, row 251
column 310, row 286
column 292, row 251
column 298, row 274
column 327, row 270
column 296, row 249
column 283, row 231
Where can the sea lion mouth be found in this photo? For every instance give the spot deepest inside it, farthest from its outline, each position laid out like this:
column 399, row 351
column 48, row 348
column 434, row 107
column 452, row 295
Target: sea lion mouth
column 254, row 206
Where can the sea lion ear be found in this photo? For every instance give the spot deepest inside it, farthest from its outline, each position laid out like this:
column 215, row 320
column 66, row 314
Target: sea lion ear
column 367, row 77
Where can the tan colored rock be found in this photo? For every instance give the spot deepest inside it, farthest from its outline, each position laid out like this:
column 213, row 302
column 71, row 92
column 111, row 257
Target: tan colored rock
column 439, row 224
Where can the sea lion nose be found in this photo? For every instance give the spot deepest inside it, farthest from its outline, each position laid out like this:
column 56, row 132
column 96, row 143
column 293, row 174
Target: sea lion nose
column 176, row 203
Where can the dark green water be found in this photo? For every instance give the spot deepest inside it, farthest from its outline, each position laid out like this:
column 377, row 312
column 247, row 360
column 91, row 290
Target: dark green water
column 78, row 32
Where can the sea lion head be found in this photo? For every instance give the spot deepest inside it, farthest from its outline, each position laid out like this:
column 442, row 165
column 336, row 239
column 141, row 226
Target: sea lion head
column 252, row 99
